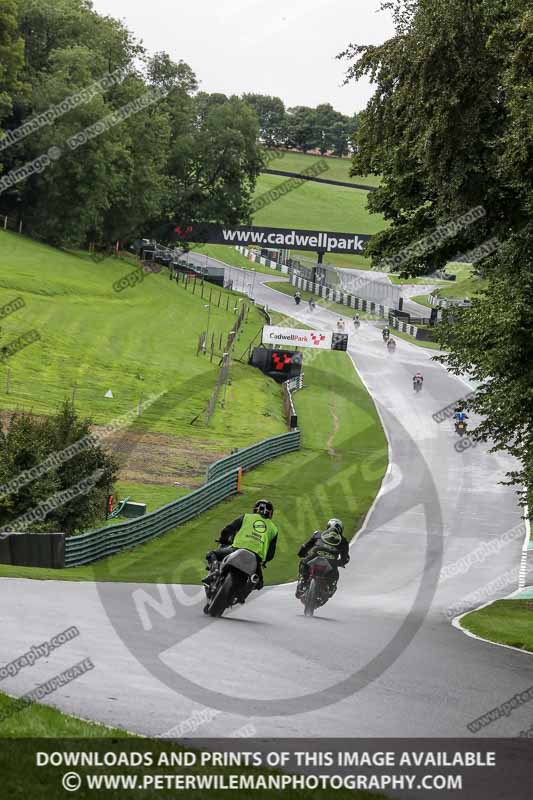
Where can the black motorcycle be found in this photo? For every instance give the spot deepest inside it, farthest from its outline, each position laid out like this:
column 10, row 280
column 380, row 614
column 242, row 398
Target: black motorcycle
column 231, row 581
column 417, row 384
column 297, row 299
column 319, row 586
column 386, row 335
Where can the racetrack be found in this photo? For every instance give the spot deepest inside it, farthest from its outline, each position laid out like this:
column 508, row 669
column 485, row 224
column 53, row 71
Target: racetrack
column 381, row 659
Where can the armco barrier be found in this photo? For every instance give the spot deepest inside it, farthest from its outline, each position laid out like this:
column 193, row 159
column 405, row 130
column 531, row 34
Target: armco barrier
column 359, row 304
column 344, row 298
column 257, row 258
column 222, row 482
column 256, row 454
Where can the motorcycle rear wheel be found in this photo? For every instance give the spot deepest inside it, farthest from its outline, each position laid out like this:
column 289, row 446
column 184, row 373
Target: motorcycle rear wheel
column 223, row 597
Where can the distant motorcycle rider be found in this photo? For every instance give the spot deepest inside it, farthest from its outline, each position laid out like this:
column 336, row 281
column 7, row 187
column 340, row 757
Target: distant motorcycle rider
column 297, row 298
column 385, row 334
column 255, row 532
column 459, row 415
column 329, row 544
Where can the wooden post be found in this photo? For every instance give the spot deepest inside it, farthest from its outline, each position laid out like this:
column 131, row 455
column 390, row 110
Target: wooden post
column 219, row 299
column 73, row 394
column 193, row 285
column 239, row 480
column 220, row 342
column 227, row 302
column 202, row 294
column 210, row 293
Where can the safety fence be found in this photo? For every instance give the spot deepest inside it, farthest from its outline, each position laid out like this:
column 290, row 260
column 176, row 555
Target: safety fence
column 404, row 327
column 291, row 386
column 9, row 222
column 343, row 298
column 360, row 304
column 256, row 454
column 257, row 258
column 444, row 302
column 223, row 374
column 223, row 480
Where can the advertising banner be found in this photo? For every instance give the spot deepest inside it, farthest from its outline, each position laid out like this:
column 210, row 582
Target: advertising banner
column 284, row 238
column 297, row 337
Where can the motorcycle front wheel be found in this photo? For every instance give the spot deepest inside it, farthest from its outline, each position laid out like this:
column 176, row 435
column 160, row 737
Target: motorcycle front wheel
column 311, row 598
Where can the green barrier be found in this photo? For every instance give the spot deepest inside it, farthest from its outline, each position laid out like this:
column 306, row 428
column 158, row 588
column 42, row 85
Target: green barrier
column 222, row 482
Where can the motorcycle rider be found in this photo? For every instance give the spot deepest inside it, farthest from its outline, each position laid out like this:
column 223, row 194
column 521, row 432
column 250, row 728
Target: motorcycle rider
column 418, row 378
column 255, row 532
column 340, row 325
column 460, row 416
column 297, row 298
column 385, row 334
column 329, row 544
column 356, row 321
column 312, row 304
column 391, row 344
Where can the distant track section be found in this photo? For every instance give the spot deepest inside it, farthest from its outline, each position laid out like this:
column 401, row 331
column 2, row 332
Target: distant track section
column 318, row 180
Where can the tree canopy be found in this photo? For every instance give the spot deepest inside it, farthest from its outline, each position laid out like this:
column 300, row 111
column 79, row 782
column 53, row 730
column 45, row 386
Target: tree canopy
column 72, row 506
column 148, row 160
column 449, row 127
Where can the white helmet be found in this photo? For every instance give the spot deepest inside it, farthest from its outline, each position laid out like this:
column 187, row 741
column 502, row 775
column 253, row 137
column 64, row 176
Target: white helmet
column 336, row 525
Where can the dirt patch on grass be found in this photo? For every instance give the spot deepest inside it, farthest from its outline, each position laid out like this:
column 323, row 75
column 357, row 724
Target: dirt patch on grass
column 160, row 459
column 156, row 458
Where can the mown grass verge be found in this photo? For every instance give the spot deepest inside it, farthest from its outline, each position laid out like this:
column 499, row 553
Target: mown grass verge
column 505, row 621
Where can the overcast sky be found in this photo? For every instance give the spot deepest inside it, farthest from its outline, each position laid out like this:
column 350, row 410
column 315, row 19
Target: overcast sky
column 281, row 47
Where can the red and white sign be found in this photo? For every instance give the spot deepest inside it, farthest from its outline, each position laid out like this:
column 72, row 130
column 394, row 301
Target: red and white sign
column 296, row 337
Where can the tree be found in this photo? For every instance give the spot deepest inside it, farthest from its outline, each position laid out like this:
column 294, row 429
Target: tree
column 325, row 119
column 449, row 127
column 186, row 156
column 302, row 130
column 11, row 57
column 204, row 102
column 215, row 165
column 272, row 117
column 26, row 444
